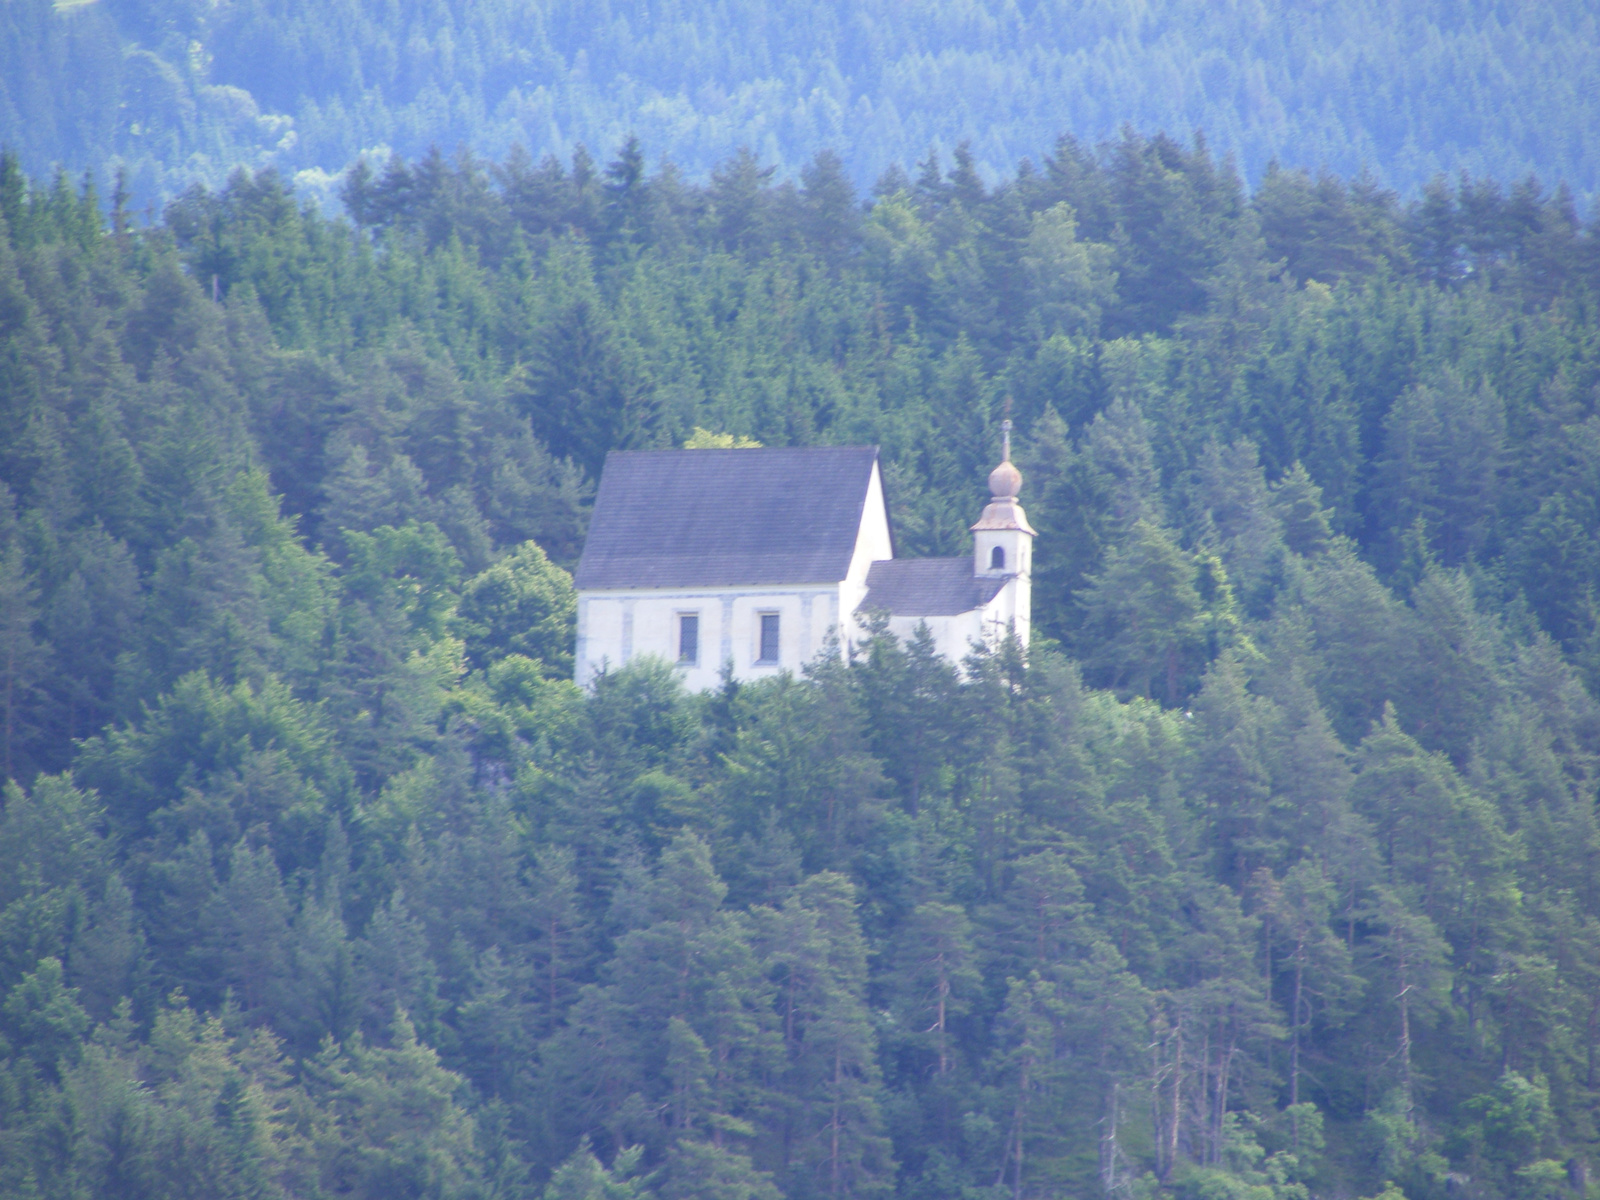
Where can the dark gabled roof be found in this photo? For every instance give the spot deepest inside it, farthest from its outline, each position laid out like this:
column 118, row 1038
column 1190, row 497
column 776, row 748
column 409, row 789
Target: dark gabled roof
column 726, row 518
column 927, row 587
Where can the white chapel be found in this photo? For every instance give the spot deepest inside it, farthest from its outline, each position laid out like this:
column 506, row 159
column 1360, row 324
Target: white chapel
column 754, row 558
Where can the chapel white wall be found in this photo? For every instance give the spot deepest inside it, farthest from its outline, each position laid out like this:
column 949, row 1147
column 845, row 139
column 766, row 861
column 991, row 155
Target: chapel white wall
column 955, row 636
column 873, row 544
column 1011, row 610
column 617, row 627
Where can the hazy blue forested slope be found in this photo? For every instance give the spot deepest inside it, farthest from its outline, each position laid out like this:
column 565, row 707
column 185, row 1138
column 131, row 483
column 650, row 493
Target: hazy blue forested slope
column 177, row 88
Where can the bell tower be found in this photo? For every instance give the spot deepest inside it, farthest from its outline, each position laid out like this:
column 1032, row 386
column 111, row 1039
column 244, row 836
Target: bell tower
column 1002, row 540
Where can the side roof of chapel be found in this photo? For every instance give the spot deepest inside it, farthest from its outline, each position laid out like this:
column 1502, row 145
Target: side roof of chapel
column 726, row 518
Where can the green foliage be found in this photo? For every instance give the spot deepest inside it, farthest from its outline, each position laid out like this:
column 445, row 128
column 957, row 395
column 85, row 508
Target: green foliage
column 705, row 439
column 411, row 570
column 582, row 1177
column 42, row 1019
column 1144, row 618
column 525, row 605
column 218, row 758
column 394, row 1126
column 1280, row 885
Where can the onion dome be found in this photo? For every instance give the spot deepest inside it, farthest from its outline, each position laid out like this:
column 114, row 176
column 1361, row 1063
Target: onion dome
column 1005, row 481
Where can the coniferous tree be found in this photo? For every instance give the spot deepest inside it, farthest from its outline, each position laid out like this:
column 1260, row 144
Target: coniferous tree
column 1143, row 617
column 23, row 661
column 396, row 1124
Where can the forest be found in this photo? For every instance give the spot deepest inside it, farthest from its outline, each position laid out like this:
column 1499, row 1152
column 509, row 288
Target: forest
column 1266, row 873
column 175, row 90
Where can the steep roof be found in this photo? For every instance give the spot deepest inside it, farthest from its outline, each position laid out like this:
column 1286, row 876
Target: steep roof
column 928, row 587
column 726, row 518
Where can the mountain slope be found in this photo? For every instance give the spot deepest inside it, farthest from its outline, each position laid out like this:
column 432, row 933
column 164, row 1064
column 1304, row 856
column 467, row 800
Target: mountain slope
column 176, row 89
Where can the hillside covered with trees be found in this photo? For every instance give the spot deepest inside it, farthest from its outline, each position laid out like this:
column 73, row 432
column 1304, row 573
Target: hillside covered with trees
column 175, row 90
column 1267, row 874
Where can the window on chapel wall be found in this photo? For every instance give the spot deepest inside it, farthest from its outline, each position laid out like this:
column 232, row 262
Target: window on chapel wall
column 767, row 648
column 997, row 559
column 688, row 638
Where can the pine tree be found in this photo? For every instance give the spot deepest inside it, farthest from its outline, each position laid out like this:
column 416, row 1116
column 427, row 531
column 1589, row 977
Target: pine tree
column 1142, row 618
column 396, row 1125
column 23, row 664
column 1441, row 464
column 831, row 218
column 581, row 1177
column 936, row 978
column 561, row 951
column 107, row 957
column 397, row 971
column 253, row 928
column 1297, row 502
column 1230, row 771
column 830, row 1143
column 42, row 1020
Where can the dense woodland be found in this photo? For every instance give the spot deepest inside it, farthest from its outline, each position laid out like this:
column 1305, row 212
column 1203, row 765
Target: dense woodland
column 1267, row 873
column 175, row 90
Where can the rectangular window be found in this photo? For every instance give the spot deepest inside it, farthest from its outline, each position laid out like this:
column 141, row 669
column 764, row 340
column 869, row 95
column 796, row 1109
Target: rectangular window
column 688, row 638
column 769, row 638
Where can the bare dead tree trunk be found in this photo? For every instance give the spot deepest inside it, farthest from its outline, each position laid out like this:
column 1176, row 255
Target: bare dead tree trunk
column 1224, row 1074
column 1157, row 1113
column 1016, row 1176
column 1350, row 920
column 1294, row 1044
column 1012, row 1159
column 11, row 701
column 1404, row 999
column 833, row 1130
column 1594, row 1020
column 1177, row 1100
column 944, row 996
column 1108, row 1143
column 554, row 967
